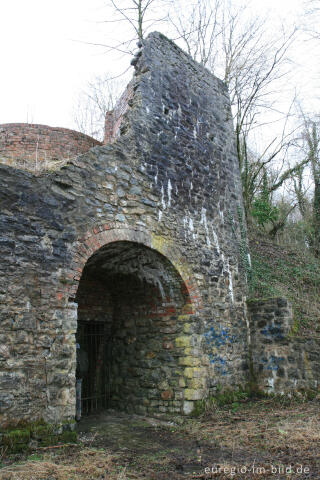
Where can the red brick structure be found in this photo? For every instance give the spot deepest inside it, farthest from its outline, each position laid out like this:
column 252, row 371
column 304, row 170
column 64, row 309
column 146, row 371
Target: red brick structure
column 37, row 146
column 115, row 118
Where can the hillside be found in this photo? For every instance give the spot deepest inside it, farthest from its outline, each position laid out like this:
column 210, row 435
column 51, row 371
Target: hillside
column 286, row 271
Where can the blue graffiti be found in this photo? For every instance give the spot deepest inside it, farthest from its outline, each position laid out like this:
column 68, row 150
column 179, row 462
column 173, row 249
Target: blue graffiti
column 218, row 337
column 272, row 363
column 219, row 362
column 271, row 331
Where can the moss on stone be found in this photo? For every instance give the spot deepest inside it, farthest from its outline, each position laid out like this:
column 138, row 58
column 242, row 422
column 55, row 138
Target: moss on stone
column 18, row 439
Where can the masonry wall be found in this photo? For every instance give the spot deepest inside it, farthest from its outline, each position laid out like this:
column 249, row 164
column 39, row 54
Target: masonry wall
column 169, row 183
column 142, row 315
column 36, row 147
column 283, row 362
column 115, row 119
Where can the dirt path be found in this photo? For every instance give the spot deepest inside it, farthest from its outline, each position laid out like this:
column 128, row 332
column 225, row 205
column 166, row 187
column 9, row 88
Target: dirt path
column 155, row 448
column 257, row 441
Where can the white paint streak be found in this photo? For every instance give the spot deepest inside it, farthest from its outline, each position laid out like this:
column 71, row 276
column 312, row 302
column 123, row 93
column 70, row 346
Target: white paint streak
column 169, row 192
column 185, row 223
column 271, row 383
column 176, row 133
column 163, row 203
column 195, row 132
column 204, row 222
column 216, row 241
column 227, row 269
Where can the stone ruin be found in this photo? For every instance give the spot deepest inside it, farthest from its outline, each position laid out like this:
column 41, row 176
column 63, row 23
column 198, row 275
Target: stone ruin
column 39, row 148
column 137, row 250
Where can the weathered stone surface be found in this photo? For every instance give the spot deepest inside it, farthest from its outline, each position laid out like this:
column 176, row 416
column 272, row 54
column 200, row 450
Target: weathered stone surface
column 144, row 235
column 282, row 362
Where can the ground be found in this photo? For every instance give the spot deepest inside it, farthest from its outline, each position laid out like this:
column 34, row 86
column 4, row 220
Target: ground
column 257, row 435
column 291, row 272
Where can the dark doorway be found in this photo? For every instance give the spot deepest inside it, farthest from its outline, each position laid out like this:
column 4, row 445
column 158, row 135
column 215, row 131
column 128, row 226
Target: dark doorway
column 132, row 304
column 91, row 338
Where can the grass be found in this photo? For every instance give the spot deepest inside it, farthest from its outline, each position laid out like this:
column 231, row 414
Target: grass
column 267, row 422
column 273, row 430
column 231, row 399
column 288, row 272
column 65, row 464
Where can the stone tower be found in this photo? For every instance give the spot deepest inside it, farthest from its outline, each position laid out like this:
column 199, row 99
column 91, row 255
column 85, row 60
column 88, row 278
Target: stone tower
column 135, row 250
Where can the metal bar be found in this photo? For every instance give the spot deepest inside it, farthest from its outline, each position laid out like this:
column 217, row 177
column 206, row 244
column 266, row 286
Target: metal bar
column 94, row 385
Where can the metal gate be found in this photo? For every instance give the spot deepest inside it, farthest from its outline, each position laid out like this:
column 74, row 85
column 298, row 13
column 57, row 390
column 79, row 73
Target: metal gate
column 92, row 339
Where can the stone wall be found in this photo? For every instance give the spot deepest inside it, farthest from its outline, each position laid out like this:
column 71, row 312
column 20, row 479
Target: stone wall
column 282, row 361
column 37, row 147
column 139, row 313
column 169, row 187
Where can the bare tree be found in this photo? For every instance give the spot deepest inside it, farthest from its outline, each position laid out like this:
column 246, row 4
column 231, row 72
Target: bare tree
column 305, row 180
column 311, row 23
column 198, row 27
column 311, row 137
column 94, row 102
column 101, row 94
column 301, row 190
column 236, row 47
column 284, row 209
column 137, row 18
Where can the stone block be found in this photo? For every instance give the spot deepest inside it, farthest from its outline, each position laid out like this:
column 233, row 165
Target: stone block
column 193, row 394
column 189, row 361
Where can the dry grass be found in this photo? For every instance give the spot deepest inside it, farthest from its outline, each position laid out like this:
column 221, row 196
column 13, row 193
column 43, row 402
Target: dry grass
column 80, row 464
column 265, row 432
column 273, row 425
column 35, row 168
column 274, row 433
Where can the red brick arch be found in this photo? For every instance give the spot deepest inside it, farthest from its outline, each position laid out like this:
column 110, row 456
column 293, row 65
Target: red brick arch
column 101, row 235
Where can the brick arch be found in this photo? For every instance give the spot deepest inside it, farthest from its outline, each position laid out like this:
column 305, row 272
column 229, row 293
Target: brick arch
column 101, row 235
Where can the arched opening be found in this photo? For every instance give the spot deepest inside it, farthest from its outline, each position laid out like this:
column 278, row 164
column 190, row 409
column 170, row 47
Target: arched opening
column 132, row 306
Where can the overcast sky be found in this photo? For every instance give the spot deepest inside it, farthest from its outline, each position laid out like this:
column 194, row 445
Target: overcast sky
column 45, row 62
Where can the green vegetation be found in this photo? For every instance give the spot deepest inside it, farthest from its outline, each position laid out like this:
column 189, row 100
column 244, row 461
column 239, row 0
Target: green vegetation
column 234, row 400
column 18, row 439
column 226, row 398
column 288, row 272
